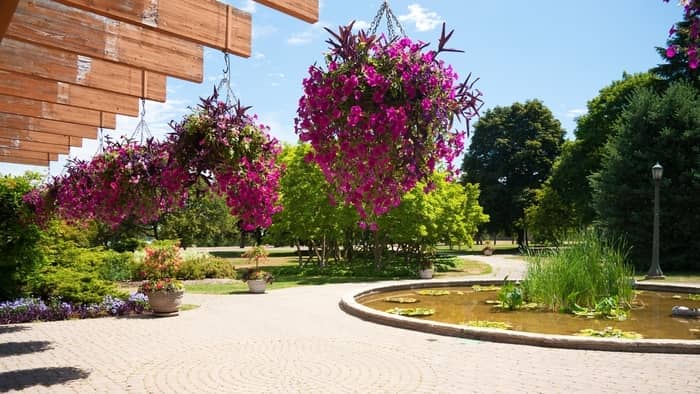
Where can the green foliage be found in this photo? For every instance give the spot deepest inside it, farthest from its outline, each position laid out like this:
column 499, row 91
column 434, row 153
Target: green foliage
column 511, row 154
column 565, row 201
column 206, row 220
column 430, row 292
column 201, row 267
column 19, row 238
column 607, row 307
column 654, row 128
column 580, row 274
column 510, row 295
column 676, row 69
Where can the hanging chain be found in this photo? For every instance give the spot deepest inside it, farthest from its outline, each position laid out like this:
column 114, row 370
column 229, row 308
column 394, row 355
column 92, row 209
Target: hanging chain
column 142, row 130
column 225, row 83
column 392, row 22
column 100, row 141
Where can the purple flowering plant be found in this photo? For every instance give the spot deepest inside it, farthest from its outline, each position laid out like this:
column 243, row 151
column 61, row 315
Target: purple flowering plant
column 691, row 9
column 379, row 117
column 218, row 143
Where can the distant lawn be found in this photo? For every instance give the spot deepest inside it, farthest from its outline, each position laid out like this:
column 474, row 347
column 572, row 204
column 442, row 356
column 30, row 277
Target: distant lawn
column 683, row 277
column 291, row 274
column 502, row 247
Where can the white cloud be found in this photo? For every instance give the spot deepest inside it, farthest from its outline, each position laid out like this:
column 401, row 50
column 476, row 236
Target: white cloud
column 361, row 25
column 302, row 38
column 260, row 31
column 258, row 56
column 575, row 113
column 424, row 19
column 275, row 75
column 308, row 35
column 247, row 6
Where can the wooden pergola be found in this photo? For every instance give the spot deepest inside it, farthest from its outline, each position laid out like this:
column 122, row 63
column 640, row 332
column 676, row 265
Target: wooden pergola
column 68, row 67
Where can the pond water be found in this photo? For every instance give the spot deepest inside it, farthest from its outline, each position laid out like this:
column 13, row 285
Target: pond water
column 650, row 316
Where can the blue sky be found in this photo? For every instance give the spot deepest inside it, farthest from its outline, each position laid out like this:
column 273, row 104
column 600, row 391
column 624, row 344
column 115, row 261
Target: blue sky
column 560, row 52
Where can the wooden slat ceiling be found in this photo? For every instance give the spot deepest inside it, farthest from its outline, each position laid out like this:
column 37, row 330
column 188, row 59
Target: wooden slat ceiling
column 68, row 67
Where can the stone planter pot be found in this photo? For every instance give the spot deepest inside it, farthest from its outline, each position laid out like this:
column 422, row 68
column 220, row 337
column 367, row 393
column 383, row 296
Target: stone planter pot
column 487, row 252
column 165, row 303
column 426, row 273
column 257, row 286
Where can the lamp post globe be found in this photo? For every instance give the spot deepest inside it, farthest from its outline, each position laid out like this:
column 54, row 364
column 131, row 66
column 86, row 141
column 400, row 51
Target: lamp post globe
column 657, row 171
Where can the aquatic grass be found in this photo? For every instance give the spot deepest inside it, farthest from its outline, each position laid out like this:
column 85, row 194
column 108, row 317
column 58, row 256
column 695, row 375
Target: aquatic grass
column 585, row 270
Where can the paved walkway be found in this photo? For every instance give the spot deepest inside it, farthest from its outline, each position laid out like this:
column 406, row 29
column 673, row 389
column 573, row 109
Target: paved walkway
column 298, row 340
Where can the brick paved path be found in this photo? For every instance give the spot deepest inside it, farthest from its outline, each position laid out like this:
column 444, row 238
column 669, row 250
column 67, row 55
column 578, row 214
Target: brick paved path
column 298, row 340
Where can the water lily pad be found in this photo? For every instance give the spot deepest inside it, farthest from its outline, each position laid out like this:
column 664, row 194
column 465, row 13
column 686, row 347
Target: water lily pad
column 478, row 288
column 411, row 311
column 609, row 332
column 433, row 292
column 676, row 297
column 492, row 302
column 401, row 300
column 694, row 297
column 489, row 324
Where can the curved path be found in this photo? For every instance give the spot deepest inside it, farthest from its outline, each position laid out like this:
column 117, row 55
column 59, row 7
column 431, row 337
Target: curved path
column 298, row 340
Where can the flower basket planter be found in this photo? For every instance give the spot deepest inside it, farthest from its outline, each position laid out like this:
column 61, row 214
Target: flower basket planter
column 426, row 273
column 165, row 303
column 257, row 286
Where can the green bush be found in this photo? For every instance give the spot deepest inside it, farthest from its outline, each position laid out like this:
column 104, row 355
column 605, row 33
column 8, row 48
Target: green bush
column 206, row 266
column 581, row 273
column 20, row 253
column 82, row 287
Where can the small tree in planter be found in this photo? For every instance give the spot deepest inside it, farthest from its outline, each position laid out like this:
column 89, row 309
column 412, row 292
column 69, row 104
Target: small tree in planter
column 256, row 278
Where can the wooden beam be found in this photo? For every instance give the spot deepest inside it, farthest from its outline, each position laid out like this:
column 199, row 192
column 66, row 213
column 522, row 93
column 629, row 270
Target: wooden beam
column 18, row 122
column 32, row 59
column 59, row 112
column 23, row 160
column 5, row 153
column 306, row 10
column 7, row 10
column 201, row 21
column 48, row 23
column 21, row 85
column 38, row 136
column 33, row 146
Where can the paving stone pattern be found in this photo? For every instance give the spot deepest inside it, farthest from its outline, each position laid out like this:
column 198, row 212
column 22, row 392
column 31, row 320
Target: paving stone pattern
column 297, row 340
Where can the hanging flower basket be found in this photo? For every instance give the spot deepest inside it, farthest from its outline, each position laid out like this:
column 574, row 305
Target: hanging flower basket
column 236, row 157
column 379, row 117
column 126, row 182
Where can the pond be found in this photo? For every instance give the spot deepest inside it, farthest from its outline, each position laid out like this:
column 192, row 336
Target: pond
column 650, row 316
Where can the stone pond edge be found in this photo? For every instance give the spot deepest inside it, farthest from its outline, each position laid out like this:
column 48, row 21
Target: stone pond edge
column 349, row 304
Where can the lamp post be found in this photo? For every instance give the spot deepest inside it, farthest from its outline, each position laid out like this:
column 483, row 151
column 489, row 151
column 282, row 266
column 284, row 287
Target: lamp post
column 657, row 172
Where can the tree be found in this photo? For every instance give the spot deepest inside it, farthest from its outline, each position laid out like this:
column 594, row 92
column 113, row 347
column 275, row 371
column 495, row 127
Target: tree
column 565, row 201
column 662, row 128
column 510, row 156
column 676, row 61
column 309, row 218
column 204, row 221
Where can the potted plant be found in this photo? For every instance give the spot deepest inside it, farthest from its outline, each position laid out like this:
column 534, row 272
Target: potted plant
column 160, row 284
column 256, row 278
column 488, row 249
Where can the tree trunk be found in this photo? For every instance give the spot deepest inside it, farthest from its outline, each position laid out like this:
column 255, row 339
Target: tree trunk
column 377, row 252
column 298, row 245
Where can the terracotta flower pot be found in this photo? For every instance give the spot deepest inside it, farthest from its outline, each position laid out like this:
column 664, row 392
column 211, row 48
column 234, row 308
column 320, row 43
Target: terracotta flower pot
column 487, row 252
column 165, row 303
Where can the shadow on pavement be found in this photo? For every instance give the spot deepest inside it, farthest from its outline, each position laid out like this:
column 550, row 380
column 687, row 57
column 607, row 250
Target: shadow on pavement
column 12, row 328
column 25, row 378
column 17, row 348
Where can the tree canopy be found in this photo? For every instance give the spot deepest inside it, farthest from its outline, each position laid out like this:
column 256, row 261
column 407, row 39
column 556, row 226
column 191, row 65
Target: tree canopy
column 511, row 154
column 662, row 128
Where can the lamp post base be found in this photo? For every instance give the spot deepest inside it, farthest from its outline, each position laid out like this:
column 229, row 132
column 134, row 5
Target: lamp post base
column 654, row 277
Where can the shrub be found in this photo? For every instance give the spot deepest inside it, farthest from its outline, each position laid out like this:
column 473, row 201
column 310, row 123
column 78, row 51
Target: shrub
column 587, row 269
column 72, row 285
column 18, row 238
column 206, row 266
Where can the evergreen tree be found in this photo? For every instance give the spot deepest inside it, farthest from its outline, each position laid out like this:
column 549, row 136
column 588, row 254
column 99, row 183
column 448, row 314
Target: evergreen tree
column 675, row 68
column 654, row 128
